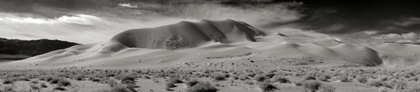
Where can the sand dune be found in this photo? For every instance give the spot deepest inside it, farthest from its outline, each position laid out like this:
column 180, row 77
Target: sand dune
column 187, row 34
column 221, row 42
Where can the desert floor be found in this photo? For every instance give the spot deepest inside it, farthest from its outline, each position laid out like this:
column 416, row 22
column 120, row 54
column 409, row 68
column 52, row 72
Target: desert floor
column 177, row 79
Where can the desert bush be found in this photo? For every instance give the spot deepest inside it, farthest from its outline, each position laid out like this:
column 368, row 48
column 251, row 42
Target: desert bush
column 361, row 79
column 375, row 83
column 309, row 77
column 281, row 79
column 54, row 80
column 34, row 87
column 35, row 82
column 249, row 82
column 298, row 84
column 267, row 87
column 146, row 77
column 60, row 88
column 398, row 86
column 63, row 82
column 23, row 79
column 323, row 77
column 43, row 85
column 174, row 79
column 95, row 79
column 191, row 83
column 311, row 85
column 80, row 77
column 169, row 85
column 343, row 78
column 384, row 78
column 202, row 87
column 128, row 79
column 125, row 76
column 260, row 78
column 326, row 88
column 243, row 77
column 8, row 81
column 269, row 75
column 111, row 82
column 218, row 76
column 120, row 88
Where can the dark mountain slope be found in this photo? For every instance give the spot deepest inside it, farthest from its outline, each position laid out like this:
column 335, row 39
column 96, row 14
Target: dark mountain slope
column 31, row 47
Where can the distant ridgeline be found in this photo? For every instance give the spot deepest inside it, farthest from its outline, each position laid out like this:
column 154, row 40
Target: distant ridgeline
column 31, row 47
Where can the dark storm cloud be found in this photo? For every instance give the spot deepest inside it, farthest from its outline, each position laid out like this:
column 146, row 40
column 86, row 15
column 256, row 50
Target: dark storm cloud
column 327, row 16
column 346, row 16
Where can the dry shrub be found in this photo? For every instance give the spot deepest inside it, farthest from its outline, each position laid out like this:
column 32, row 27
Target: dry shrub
column 60, row 88
column 111, row 82
column 323, row 77
column 260, row 78
column 218, row 76
column 375, row 83
column 311, row 85
column 343, row 78
column 63, row 82
column 120, row 88
column 174, row 79
column 316, row 86
column 361, row 79
column 281, row 79
column 326, row 88
column 202, row 87
column 191, row 83
column 43, row 85
column 267, row 87
column 169, row 85
column 309, row 77
column 8, row 81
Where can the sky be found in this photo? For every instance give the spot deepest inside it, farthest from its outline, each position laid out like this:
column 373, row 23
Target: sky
column 90, row 21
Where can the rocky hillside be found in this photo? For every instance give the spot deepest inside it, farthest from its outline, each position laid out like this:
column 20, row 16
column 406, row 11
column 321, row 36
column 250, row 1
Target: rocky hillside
column 31, row 47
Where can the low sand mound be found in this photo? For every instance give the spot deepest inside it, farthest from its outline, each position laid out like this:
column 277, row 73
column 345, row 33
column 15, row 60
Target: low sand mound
column 357, row 54
column 397, row 54
column 187, row 34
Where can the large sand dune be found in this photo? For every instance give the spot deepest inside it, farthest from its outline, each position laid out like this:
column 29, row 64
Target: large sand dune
column 229, row 43
column 187, row 34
